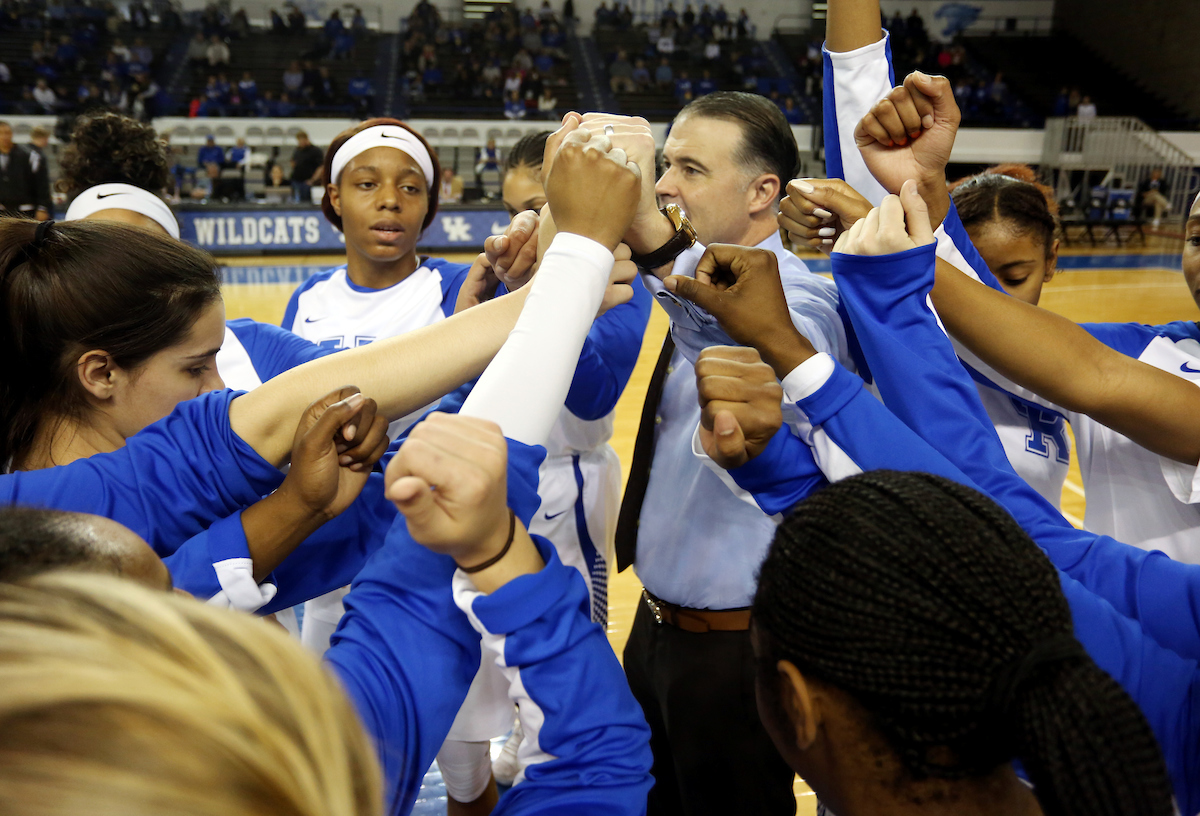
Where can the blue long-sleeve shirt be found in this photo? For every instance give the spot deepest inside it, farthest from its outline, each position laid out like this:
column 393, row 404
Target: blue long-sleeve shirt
column 858, row 433
column 169, row 483
column 408, row 647
column 921, row 380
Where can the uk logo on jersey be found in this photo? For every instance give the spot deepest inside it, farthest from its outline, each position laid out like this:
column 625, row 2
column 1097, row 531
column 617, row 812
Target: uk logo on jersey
column 1045, row 428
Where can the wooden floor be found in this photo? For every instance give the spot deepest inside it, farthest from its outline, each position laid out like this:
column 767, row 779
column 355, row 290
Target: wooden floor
column 1093, row 295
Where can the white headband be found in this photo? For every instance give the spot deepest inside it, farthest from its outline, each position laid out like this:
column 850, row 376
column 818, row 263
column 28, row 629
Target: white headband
column 123, row 197
column 382, row 136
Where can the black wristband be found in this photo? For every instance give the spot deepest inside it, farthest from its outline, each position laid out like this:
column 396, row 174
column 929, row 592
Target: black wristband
column 495, row 559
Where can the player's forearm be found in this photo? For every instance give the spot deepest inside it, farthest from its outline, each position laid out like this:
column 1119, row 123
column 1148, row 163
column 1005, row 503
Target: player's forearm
column 400, row 373
column 274, row 527
column 1062, row 363
column 852, row 24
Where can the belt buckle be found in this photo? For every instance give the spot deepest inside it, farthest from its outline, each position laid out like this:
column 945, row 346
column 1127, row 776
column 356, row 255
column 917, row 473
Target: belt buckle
column 655, row 609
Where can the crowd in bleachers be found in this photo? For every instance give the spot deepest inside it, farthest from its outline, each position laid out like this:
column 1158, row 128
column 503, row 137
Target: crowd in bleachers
column 661, row 64
column 305, row 87
column 513, row 61
column 982, row 95
column 55, row 59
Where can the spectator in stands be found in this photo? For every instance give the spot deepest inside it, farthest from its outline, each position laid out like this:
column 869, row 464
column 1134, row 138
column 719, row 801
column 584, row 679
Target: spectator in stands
column 1062, row 103
column 214, row 99
column 210, row 154
column 149, row 98
column 641, row 75
column 39, row 162
column 326, row 91
column 547, row 104
column 745, row 28
column 197, row 51
column 712, row 50
column 278, row 26
column 432, row 76
column 665, row 44
column 1087, row 110
column 276, row 184
column 604, row 17
column 344, row 45
column 362, row 93
column 1073, row 100
column 297, row 22
column 522, row 61
column 239, row 24
column 897, row 27
column 488, row 159
column 664, row 77
column 140, row 52
column 66, row 55
column 451, row 190
column 239, row 155
column 705, row 85
column 121, row 50
column 916, row 26
column 265, row 104
column 139, row 15
column 218, row 52
column 334, row 26
column 1154, row 193
column 43, row 94
column 285, row 106
column 683, row 89
column 293, row 78
column 20, row 187
column 514, row 108
column 247, row 90
column 358, row 24
column 620, row 74
column 792, row 113
column 307, row 159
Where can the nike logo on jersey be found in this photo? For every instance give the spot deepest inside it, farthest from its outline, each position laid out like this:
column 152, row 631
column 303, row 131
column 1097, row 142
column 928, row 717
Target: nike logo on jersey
column 312, row 319
column 556, row 515
column 1187, row 369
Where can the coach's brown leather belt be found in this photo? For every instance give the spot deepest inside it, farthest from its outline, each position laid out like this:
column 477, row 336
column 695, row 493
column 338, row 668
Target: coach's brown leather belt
column 697, row 620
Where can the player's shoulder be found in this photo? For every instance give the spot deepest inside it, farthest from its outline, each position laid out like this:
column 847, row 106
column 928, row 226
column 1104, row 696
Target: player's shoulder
column 326, row 277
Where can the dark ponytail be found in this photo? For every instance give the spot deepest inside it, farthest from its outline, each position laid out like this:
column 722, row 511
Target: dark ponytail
column 69, row 288
column 1012, row 193
column 925, row 602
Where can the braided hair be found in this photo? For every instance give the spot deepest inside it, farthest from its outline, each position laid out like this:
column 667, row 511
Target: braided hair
column 913, row 595
column 1008, row 192
column 528, row 151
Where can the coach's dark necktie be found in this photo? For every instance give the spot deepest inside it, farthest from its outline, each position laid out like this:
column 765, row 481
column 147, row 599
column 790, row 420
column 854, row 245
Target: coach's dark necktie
column 643, row 455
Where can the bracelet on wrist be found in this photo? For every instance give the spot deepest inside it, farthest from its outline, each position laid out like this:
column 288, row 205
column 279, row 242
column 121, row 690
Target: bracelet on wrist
column 495, row 559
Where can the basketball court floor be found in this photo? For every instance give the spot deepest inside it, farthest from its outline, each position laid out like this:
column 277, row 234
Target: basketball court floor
column 1106, row 284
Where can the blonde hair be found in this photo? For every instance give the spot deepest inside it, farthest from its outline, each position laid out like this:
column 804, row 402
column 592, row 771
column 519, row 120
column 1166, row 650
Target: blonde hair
column 119, row 699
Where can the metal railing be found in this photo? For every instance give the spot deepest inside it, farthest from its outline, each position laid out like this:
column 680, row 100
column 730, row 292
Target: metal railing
column 1116, row 151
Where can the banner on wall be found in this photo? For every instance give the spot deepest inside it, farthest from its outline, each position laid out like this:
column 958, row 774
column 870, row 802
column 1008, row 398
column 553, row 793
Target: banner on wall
column 229, row 232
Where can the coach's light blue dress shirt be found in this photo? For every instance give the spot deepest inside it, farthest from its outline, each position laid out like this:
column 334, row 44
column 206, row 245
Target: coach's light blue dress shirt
column 699, row 545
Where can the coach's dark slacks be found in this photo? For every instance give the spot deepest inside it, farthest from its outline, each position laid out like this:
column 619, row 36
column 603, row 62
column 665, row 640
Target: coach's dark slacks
column 711, row 752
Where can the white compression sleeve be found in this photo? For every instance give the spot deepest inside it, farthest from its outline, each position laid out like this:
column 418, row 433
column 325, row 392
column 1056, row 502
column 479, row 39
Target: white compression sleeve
column 525, row 386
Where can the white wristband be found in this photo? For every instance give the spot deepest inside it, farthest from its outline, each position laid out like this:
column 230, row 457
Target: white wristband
column 807, row 378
